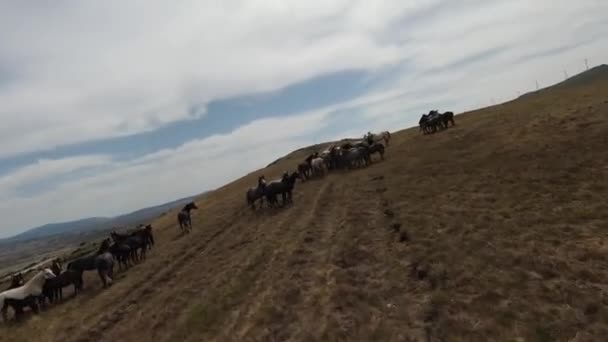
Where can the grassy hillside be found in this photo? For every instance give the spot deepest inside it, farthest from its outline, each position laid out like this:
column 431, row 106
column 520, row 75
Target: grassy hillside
column 494, row 230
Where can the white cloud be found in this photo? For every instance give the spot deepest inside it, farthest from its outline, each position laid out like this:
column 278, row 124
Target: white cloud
column 46, row 169
column 91, row 70
column 77, row 71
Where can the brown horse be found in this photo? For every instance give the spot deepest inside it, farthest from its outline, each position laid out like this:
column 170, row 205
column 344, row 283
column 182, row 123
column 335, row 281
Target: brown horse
column 184, row 219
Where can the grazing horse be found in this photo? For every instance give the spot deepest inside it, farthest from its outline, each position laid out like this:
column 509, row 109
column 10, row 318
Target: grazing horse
column 255, row 193
column 377, row 148
column 25, row 295
column 184, row 218
column 284, row 186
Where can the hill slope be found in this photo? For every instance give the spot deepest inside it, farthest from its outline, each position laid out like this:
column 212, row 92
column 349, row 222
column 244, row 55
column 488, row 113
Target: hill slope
column 491, row 230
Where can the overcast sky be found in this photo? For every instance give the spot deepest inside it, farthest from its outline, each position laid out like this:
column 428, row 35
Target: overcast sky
column 110, row 106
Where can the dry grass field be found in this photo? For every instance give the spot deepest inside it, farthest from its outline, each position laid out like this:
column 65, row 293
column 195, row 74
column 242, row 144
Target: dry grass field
column 494, row 230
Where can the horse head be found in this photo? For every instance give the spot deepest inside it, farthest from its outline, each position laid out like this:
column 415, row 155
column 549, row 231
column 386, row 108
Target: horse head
column 261, row 181
column 292, row 178
column 190, row 206
column 48, row 273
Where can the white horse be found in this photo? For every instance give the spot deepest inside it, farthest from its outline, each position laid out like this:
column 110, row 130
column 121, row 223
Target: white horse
column 382, row 137
column 318, row 166
column 32, row 289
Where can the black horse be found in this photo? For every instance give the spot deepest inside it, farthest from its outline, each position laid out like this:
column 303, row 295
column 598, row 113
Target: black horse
column 434, row 121
column 102, row 261
column 53, row 288
column 284, row 187
column 184, row 218
column 137, row 246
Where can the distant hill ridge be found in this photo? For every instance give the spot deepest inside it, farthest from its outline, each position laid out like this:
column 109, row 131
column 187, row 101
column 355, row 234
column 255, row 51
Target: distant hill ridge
column 99, row 223
column 597, row 73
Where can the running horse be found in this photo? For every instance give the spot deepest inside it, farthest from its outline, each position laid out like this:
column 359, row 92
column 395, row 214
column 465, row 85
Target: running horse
column 184, row 218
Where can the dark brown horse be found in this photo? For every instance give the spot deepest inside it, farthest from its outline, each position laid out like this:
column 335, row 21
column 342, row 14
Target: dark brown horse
column 284, row 187
column 53, row 288
column 184, row 218
column 377, row 148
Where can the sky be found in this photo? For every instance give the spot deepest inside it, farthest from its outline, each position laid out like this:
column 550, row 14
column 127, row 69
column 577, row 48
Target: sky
column 111, row 106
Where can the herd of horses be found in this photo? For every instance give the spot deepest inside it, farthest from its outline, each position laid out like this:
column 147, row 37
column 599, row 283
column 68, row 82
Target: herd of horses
column 127, row 249
column 347, row 155
column 47, row 284
column 434, row 121
column 124, row 249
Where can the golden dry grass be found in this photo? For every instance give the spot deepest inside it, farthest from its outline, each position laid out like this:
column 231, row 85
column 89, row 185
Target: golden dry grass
column 494, row 230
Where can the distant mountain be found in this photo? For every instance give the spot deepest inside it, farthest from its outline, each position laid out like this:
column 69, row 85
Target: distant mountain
column 78, row 226
column 146, row 214
column 99, row 223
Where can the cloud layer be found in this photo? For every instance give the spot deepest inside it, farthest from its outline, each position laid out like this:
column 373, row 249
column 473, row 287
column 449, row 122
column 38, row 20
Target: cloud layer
column 78, row 72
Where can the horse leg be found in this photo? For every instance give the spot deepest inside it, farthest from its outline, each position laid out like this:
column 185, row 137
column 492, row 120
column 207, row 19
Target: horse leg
column 33, row 305
column 102, row 276
column 18, row 312
column 5, row 312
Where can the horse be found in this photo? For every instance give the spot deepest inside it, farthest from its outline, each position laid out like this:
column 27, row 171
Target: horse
column 122, row 253
column 137, row 243
column 305, row 169
column 102, row 261
column 25, row 295
column 318, row 166
column 434, row 121
column 383, row 137
column 284, row 186
column 53, row 288
column 184, row 218
column 255, row 193
column 446, row 118
column 355, row 157
column 377, row 148
column 146, row 233
column 105, row 268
